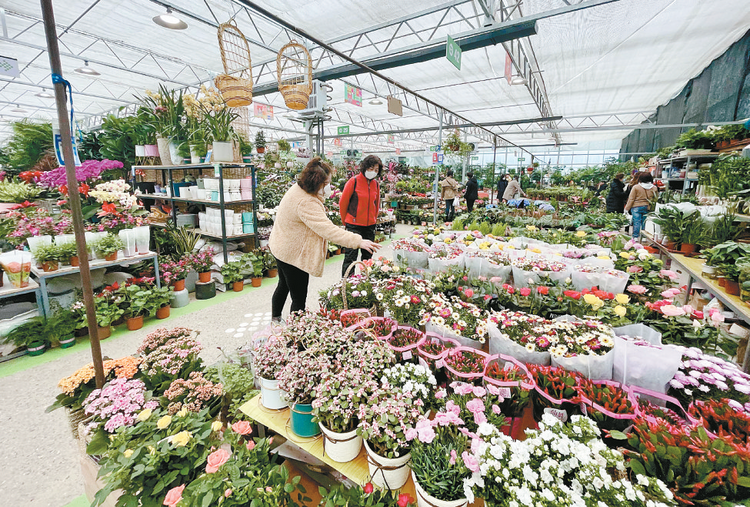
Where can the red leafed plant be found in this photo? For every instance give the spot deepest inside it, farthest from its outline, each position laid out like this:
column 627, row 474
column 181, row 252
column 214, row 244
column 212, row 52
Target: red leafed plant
column 610, row 398
column 721, row 418
column 466, row 361
column 519, row 397
column 403, row 337
column 380, row 327
column 435, row 348
column 558, row 384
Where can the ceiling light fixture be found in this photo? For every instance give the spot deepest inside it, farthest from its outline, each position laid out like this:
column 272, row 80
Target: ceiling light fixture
column 44, row 94
column 518, row 80
column 376, row 102
column 86, row 70
column 18, row 109
column 169, row 20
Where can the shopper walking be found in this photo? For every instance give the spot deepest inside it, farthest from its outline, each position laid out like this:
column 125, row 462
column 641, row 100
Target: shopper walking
column 359, row 206
column 639, row 202
column 513, row 189
column 616, row 196
column 448, row 193
column 472, row 191
column 300, row 235
column 501, row 186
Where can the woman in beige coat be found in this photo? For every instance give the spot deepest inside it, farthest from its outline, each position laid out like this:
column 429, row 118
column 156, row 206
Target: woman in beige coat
column 300, row 235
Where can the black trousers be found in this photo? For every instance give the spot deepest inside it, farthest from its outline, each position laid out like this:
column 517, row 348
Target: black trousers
column 450, row 210
column 350, row 255
column 470, row 204
column 291, row 280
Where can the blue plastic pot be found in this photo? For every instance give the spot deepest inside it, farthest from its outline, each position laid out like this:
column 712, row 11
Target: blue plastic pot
column 302, row 420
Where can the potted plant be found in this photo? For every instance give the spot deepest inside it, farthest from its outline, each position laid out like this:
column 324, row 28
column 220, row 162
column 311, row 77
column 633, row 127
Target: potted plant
column 48, row 256
column 246, row 148
column 726, row 258
column 164, row 112
column 233, row 274
column 69, row 253
column 693, row 233
column 62, row 327
column 107, row 312
column 269, row 358
column 32, row 334
column 219, row 130
column 695, row 140
column 260, row 142
column 108, row 246
column 159, row 302
column 135, row 299
column 670, row 220
column 255, row 264
column 202, row 263
column 174, row 273
column 298, row 378
column 452, row 142
column 269, row 264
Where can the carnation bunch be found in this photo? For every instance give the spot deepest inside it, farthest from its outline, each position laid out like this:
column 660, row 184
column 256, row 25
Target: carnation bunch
column 410, row 378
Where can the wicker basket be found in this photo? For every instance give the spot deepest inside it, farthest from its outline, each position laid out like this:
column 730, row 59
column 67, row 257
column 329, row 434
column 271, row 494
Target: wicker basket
column 294, row 73
column 236, row 84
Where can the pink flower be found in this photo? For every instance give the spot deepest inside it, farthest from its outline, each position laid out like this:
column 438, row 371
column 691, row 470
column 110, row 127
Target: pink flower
column 470, row 461
column 227, row 493
column 716, row 316
column 452, row 407
column 635, row 269
column 495, row 410
column 480, row 418
column 250, row 445
column 493, row 390
column 525, row 292
column 454, row 455
column 496, row 279
column 479, row 391
column 468, row 293
column 242, row 427
column 672, row 311
column 462, row 389
column 173, row 496
column 688, row 309
column 426, row 435
column 410, row 434
column 440, row 394
column 216, row 459
column 475, row 406
column 637, row 289
column 668, row 273
column 670, row 293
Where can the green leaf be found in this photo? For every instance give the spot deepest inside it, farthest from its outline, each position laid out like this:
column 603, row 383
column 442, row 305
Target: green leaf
column 288, row 488
column 637, row 467
column 208, row 498
column 743, row 481
column 98, row 444
column 618, row 435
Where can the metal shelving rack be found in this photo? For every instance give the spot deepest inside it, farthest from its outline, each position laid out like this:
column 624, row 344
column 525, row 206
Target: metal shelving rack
column 218, row 172
column 664, row 165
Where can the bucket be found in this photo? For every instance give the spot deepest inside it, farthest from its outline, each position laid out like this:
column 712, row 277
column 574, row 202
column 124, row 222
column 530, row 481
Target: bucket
column 301, row 420
column 270, row 394
column 341, row 447
column 388, row 473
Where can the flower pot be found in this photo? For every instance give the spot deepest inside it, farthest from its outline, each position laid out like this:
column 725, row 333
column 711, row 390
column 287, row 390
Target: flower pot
column 66, row 343
column 134, row 323
column 222, row 152
column 256, row 281
column 389, row 473
column 81, row 332
column 104, row 332
column 204, row 277
column 260, row 149
column 36, row 348
column 270, row 394
column 75, row 261
column 50, row 266
column 151, row 150
column 425, row 500
column 341, row 447
column 163, row 145
column 238, row 286
column 732, row 287
column 174, row 154
column 709, row 271
column 273, row 273
column 301, row 420
column 140, row 150
column 688, row 248
column 722, row 281
column 195, row 158
column 670, row 245
column 179, row 285
column 111, row 257
column 163, row 312
column 337, row 252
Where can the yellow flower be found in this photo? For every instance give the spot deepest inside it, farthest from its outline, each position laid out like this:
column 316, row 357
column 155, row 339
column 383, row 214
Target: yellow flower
column 620, row 311
column 183, row 412
column 164, row 422
column 594, row 301
column 530, row 227
column 623, row 299
column 216, row 426
column 151, row 449
column 143, row 415
column 181, row 439
column 128, row 453
column 581, row 234
column 625, row 255
column 447, row 241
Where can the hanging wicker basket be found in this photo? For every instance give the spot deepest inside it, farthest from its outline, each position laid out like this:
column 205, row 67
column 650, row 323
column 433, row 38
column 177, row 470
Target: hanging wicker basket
column 236, row 84
column 294, row 73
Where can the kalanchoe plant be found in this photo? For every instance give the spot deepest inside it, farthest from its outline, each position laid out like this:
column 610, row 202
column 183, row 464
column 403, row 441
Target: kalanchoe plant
column 193, row 394
column 117, row 404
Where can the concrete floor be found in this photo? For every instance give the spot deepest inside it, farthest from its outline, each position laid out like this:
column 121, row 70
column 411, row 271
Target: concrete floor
column 38, row 453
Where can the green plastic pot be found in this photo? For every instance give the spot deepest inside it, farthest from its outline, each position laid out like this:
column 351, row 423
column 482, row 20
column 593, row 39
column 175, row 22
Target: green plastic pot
column 66, row 343
column 36, row 348
column 302, row 421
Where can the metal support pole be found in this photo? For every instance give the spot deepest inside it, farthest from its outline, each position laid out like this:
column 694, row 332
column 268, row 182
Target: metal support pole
column 437, row 171
column 74, row 199
column 494, row 174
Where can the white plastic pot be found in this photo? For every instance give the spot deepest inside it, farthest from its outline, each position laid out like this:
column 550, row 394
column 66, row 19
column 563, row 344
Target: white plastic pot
column 341, row 447
column 140, row 150
column 270, row 394
column 425, row 500
column 222, row 152
column 388, row 473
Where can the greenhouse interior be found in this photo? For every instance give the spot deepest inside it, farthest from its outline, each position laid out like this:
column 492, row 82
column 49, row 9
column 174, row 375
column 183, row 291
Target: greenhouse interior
column 283, row 253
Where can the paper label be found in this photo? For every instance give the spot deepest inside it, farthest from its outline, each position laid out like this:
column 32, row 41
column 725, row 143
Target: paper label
column 504, row 392
column 584, row 409
column 407, row 355
column 439, row 363
column 508, row 366
column 562, row 415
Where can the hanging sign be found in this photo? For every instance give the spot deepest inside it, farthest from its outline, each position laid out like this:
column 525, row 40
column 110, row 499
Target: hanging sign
column 342, row 131
column 398, row 151
column 433, row 148
column 391, row 140
column 337, row 141
column 508, row 67
column 9, row 66
column 395, row 106
column 475, row 158
column 263, row 111
column 353, row 95
column 440, row 159
column 453, row 52
column 434, row 158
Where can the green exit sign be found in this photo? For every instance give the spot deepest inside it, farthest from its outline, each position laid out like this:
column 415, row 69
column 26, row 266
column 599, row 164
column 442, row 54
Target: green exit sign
column 475, row 158
column 344, row 130
column 453, row 53
column 521, row 159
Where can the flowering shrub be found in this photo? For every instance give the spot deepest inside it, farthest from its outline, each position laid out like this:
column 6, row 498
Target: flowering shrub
column 88, row 171
column 202, row 261
column 192, row 394
column 405, row 298
column 116, row 404
column 359, row 294
column 172, row 271
column 161, row 336
column 705, row 377
column 382, row 268
column 37, row 222
column 114, row 192
column 176, row 358
column 78, row 386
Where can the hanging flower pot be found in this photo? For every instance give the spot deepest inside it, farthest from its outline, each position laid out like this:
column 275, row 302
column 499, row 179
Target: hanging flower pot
column 179, row 285
column 301, row 420
column 223, row 151
column 75, row 261
column 134, row 323
column 270, row 394
column 204, row 277
column 50, row 266
column 238, row 286
column 66, row 343
column 256, row 281
column 341, row 447
column 104, row 332
column 388, row 473
column 163, row 312
column 425, row 500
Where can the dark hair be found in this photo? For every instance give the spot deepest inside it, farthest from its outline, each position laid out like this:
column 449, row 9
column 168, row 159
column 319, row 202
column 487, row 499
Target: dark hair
column 636, row 178
column 314, row 176
column 619, row 176
column 469, row 175
column 646, row 178
column 449, row 173
column 370, row 161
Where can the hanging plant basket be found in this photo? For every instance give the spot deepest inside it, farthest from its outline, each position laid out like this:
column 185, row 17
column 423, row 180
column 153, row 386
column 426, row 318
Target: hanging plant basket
column 236, row 84
column 294, row 72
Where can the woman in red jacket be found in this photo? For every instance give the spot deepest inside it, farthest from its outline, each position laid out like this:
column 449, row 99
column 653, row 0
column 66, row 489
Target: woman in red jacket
column 360, row 204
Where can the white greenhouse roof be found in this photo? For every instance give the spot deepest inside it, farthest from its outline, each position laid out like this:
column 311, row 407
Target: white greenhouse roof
column 625, row 58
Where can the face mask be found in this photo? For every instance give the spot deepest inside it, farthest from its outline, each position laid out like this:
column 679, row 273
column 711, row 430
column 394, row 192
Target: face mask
column 326, row 191
column 371, row 175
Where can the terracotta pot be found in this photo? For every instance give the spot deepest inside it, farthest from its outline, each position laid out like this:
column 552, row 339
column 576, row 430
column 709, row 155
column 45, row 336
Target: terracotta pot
column 260, row 150
column 179, row 285
column 256, row 281
column 111, row 257
column 273, row 273
column 50, row 266
column 732, row 287
column 338, row 251
column 238, row 286
column 688, row 248
column 722, row 282
column 134, row 323
column 104, row 332
column 670, row 245
column 163, row 312
column 204, row 277
column 74, row 261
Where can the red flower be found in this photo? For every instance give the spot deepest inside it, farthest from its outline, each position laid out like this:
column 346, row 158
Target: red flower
column 525, row 292
column 83, row 188
column 415, row 300
column 63, row 189
column 404, row 500
column 572, row 294
column 368, row 488
column 543, row 290
column 109, row 207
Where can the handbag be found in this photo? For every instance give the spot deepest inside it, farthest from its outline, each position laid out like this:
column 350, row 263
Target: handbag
column 455, row 201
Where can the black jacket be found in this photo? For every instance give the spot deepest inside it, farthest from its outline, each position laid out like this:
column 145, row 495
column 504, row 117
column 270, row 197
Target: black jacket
column 501, row 186
column 616, row 197
column 472, row 190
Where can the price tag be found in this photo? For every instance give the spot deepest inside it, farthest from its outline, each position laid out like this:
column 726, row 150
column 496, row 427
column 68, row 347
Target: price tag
column 217, row 170
column 439, row 363
column 562, row 415
column 508, row 366
column 584, row 409
column 407, row 355
column 504, row 392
